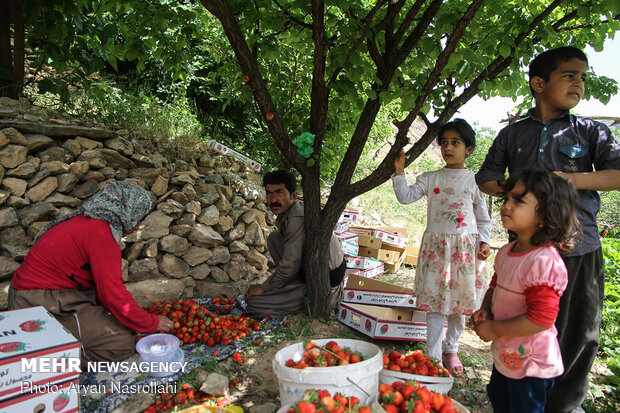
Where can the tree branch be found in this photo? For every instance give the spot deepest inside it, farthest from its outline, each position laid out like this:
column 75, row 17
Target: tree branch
column 249, row 66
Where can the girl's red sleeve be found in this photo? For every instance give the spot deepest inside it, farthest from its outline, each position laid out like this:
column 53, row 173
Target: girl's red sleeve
column 105, row 261
column 543, row 304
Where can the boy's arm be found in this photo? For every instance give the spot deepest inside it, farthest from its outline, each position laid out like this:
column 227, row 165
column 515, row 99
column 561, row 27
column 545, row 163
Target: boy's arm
column 490, row 188
column 605, row 180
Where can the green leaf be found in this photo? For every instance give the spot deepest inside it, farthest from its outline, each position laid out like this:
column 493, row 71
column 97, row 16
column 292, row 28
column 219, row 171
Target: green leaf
column 504, row 51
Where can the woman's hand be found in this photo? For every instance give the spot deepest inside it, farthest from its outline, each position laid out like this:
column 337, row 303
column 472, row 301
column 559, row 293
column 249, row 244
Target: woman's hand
column 399, row 163
column 165, row 324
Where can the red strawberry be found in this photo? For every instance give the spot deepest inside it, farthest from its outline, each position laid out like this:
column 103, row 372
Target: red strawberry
column 12, row 346
column 350, row 294
column 343, row 314
column 61, row 401
column 384, row 328
column 32, row 325
column 368, row 325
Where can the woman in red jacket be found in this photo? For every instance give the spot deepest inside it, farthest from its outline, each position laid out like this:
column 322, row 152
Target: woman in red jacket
column 74, row 271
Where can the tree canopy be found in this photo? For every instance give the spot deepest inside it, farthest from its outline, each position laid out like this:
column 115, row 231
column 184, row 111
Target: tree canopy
column 338, row 69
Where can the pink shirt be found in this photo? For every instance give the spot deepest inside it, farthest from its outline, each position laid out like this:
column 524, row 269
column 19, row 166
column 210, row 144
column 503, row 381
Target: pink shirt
column 537, row 355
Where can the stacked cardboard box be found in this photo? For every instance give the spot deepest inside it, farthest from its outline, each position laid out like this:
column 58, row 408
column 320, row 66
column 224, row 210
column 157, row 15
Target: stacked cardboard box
column 386, row 244
column 382, row 310
column 39, row 360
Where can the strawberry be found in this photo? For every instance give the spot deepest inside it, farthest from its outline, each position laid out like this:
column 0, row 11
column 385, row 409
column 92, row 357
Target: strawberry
column 12, row 346
column 61, row 401
column 306, row 407
column 32, row 326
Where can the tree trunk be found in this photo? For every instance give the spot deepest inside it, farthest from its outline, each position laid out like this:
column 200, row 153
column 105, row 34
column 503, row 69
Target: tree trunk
column 11, row 61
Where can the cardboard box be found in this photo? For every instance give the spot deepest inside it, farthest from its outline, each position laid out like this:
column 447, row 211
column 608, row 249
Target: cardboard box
column 367, row 240
column 385, row 322
column 341, row 227
column 379, row 254
column 380, row 232
column 30, row 334
column 372, row 272
column 362, row 290
column 349, row 248
column 349, row 216
column 225, row 150
column 411, row 255
column 62, row 398
column 394, row 266
column 348, row 237
column 364, row 263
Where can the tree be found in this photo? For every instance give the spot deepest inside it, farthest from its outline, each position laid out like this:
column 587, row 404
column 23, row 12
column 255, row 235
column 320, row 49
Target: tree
column 334, row 68
column 344, row 60
column 88, row 35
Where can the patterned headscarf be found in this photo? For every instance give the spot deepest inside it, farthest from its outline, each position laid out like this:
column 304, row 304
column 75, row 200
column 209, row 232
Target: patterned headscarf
column 122, row 205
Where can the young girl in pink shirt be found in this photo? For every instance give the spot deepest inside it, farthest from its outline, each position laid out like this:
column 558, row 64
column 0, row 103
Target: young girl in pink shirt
column 520, row 307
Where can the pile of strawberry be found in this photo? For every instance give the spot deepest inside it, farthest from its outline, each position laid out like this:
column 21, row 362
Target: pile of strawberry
column 222, row 305
column 330, row 355
column 410, row 397
column 322, row 401
column 415, row 362
column 194, row 323
column 186, row 397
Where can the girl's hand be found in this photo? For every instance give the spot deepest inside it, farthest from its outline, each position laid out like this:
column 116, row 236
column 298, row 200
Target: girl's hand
column 399, row 163
column 484, row 251
column 478, row 317
column 165, row 324
column 486, row 330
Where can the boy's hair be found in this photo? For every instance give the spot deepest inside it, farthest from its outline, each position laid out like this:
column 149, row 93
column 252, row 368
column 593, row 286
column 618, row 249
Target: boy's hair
column 281, row 176
column 557, row 206
column 548, row 61
column 463, row 128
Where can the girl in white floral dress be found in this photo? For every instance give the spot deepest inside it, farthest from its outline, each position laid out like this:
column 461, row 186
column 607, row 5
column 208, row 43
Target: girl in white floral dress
column 451, row 275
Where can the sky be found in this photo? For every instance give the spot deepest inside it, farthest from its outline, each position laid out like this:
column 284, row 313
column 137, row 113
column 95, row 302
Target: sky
column 491, row 112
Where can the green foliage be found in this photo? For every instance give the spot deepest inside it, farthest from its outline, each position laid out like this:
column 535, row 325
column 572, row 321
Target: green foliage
column 609, row 340
column 484, row 140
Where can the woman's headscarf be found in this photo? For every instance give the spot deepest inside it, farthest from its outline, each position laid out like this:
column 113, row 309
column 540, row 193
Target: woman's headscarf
column 122, row 205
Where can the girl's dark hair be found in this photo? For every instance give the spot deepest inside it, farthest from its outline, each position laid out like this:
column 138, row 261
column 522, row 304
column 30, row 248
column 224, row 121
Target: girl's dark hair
column 557, row 206
column 463, row 128
column 281, row 176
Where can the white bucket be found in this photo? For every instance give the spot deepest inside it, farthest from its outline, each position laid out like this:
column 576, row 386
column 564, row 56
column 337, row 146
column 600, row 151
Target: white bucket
column 359, row 379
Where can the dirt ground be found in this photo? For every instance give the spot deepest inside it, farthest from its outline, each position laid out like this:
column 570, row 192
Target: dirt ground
column 259, row 384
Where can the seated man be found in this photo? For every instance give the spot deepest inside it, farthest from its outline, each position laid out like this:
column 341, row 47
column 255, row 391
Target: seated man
column 284, row 291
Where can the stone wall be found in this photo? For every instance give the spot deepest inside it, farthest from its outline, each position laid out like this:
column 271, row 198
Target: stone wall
column 207, row 236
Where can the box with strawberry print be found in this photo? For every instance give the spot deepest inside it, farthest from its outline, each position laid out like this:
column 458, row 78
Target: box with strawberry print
column 58, row 398
column 35, row 351
column 384, row 322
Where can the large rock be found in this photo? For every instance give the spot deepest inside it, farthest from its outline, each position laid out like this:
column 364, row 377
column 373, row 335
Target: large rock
column 209, row 216
column 15, row 241
column 174, row 244
column 23, row 171
column 204, row 236
column 7, row 267
column 8, row 218
column 173, row 266
column 221, row 255
column 144, row 269
column 38, row 212
column 155, row 225
column 13, row 155
column 197, row 255
column 161, row 289
column 209, row 288
column 43, row 189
